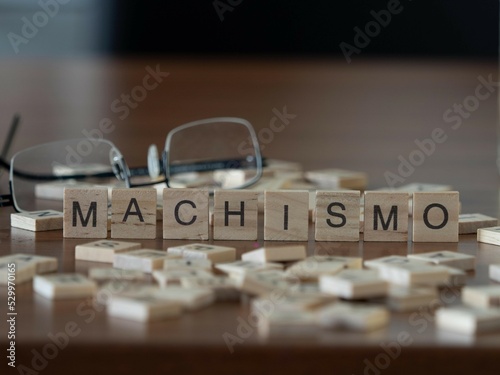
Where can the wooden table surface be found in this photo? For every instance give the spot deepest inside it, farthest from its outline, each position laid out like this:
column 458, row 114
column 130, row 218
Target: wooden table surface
column 363, row 116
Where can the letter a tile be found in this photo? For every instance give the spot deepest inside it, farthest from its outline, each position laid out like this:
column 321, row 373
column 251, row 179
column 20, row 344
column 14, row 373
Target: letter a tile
column 133, row 213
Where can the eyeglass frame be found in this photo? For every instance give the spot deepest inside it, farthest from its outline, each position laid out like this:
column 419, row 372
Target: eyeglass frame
column 122, row 172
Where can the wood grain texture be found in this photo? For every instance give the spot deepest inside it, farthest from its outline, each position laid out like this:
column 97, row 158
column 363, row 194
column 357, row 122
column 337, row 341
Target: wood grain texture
column 85, row 213
column 286, row 215
column 386, row 216
column 38, row 221
column 185, row 214
column 325, row 95
column 435, row 216
column 133, row 213
column 345, row 224
column 236, row 215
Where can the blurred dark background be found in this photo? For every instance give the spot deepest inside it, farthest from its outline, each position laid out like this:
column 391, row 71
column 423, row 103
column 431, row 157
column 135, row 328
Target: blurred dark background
column 421, row 28
column 432, row 28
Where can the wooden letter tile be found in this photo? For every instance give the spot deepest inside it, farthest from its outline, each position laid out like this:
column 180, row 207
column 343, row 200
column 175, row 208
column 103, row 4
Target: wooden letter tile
column 185, row 214
column 337, row 216
column 386, row 216
column 143, row 307
column 85, row 213
column 133, row 213
column 235, row 215
column 354, row 284
column 145, row 260
column 489, row 235
column 103, row 250
column 353, row 316
column 217, row 254
column 435, row 216
column 467, row 320
column 338, row 179
column 276, row 254
column 64, row 286
column 43, row 264
column 24, row 271
column 286, row 215
column 447, row 258
column 484, row 296
column 37, row 221
column 470, row 223
column 101, row 274
column 494, row 272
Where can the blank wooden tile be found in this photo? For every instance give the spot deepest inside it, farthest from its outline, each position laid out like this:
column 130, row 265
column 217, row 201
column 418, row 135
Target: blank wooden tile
column 145, row 260
column 276, row 254
column 216, row 254
column 143, row 308
column 101, row 274
column 494, row 272
column 467, row 320
column 85, row 213
column 470, row 223
column 64, row 286
column 103, row 250
column 22, row 272
column 353, row 317
column 386, row 216
column 133, row 213
column 435, row 216
column 489, row 235
column 244, row 266
column 37, row 221
column 447, row 258
column 337, row 178
column 337, row 216
column 354, row 284
column 185, row 214
column 482, row 296
column 286, row 215
column 235, row 215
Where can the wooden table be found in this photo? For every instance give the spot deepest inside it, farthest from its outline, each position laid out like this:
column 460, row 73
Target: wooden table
column 361, row 116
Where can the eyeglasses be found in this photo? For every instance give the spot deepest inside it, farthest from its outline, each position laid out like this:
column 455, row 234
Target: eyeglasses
column 220, row 152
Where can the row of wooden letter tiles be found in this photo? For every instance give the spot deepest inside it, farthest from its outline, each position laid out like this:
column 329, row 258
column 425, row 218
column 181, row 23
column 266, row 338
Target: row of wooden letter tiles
column 286, row 215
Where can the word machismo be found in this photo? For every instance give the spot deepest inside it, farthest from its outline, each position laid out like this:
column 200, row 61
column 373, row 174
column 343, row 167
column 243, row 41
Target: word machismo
column 337, row 215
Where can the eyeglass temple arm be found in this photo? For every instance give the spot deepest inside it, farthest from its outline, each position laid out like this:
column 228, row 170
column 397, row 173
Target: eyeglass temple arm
column 212, row 166
column 10, row 135
column 140, row 171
